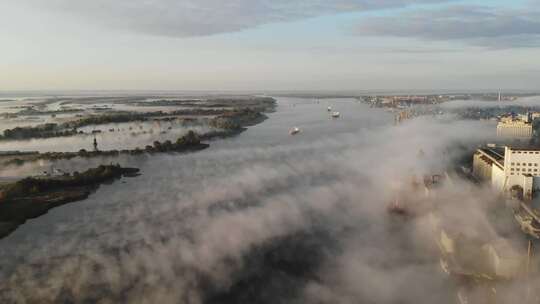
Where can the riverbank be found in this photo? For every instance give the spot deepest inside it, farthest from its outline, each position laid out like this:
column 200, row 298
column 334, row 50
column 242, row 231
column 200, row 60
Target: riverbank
column 34, row 196
column 226, row 125
column 199, row 113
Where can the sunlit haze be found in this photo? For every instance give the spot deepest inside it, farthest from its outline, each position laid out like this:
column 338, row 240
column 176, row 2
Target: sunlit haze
column 269, row 151
column 268, row 45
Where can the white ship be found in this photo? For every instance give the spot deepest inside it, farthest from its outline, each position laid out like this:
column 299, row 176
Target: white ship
column 294, row 131
column 336, row 114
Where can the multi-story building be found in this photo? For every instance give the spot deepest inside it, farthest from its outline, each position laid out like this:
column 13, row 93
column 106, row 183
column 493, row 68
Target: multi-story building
column 511, row 168
column 522, row 168
column 476, row 251
column 484, row 160
column 515, row 128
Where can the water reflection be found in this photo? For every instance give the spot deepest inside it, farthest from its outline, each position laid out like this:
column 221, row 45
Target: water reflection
column 180, row 216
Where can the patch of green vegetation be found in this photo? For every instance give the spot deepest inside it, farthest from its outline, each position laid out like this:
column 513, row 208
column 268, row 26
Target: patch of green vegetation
column 42, row 131
column 34, row 196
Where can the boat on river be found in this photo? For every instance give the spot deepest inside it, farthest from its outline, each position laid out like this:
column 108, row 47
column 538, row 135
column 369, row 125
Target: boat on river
column 294, row 131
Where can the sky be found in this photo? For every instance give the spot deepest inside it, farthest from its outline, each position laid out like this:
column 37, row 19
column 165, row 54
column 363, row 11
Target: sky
column 269, row 44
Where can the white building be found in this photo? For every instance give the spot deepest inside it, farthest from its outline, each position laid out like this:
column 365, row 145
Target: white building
column 483, row 161
column 513, row 128
column 522, row 168
column 509, row 168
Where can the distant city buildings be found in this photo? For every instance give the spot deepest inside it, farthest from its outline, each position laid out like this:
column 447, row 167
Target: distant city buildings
column 404, row 100
column 518, row 128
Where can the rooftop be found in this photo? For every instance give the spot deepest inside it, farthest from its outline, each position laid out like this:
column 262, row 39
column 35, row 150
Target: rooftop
column 493, row 155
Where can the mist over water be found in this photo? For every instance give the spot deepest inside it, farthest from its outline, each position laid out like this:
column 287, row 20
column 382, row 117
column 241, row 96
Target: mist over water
column 264, row 217
column 125, row 136
column 531, row 101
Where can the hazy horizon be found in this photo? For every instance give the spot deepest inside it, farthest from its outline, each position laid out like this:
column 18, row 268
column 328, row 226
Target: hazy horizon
column 241, row 45
column 297, row 93
column 269, row 151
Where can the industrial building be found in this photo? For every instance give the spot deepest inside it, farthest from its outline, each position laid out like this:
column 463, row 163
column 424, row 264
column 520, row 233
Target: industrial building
column 509, row 168
column 510, row 127
column 477, row 253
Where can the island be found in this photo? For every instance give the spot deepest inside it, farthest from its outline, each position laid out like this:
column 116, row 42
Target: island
column 228, row 124
column 32, row 197
column 201, row 113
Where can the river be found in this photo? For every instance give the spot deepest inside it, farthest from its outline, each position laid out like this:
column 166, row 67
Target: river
column 297, row 218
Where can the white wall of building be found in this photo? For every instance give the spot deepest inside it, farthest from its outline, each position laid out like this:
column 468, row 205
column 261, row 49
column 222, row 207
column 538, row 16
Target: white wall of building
column 514, row 129
column 503, row 264
column 498, row 178
column 519, row 162
column 521, row 168
column 527, row 187
column 481, row 167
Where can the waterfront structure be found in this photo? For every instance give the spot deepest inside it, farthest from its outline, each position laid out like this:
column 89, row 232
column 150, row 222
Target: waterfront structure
column 509, row 168
column 483, row 162
column 476, row 253
column 503, row 260
column 515, row 128
column 528, row 220
column 522, row 168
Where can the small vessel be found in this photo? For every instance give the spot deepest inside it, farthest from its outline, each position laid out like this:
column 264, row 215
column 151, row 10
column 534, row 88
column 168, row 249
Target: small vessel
column 336, row 115
column 329, row 109
column 294, row 131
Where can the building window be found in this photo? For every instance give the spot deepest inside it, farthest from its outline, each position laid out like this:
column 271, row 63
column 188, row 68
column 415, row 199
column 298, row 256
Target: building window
column 512, row 173
column 512, row 164
column 511, row 169
column 530, row 170
column 524, row 164
column 530, row 164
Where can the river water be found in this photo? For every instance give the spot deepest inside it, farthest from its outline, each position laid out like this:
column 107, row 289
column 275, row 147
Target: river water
column 264, row 217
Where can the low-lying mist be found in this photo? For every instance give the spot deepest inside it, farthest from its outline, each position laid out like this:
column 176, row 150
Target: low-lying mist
column 531, row 101
column 125, row 136
column 299, row 222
